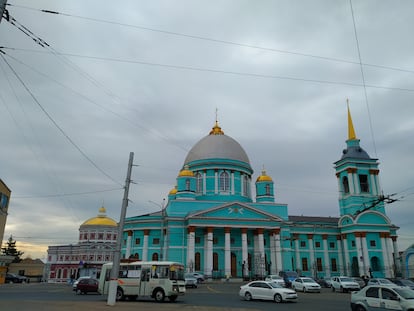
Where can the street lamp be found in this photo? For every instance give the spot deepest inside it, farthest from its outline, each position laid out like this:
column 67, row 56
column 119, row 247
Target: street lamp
column 162, row 206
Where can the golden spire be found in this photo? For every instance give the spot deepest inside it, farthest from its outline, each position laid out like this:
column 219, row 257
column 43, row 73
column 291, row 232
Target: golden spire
column 216, row 130
column 351, row 131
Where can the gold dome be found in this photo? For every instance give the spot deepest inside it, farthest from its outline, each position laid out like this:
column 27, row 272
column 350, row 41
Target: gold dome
column 264, row 177
column 216, row 130
column 173, row 191
column 100, row 220
column 186, row 172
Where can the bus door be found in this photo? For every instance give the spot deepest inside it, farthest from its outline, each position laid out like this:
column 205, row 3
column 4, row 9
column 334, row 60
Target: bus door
column 145, row 288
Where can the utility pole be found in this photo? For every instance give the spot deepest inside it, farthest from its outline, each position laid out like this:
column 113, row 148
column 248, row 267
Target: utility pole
column 113, row 283
column 2, row 8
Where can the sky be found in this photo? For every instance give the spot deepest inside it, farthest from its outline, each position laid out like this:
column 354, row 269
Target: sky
column 82, row 89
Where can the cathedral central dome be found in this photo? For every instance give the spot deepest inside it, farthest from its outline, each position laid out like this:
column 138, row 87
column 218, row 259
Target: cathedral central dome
column 217, row 145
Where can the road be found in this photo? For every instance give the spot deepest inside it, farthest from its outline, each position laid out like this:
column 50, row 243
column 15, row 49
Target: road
column 210, row 296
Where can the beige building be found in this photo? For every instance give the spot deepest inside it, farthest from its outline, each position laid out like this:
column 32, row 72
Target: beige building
column 97, row 241
column 5, row 193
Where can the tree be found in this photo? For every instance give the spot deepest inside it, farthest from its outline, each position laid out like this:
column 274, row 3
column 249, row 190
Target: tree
column 11, row 250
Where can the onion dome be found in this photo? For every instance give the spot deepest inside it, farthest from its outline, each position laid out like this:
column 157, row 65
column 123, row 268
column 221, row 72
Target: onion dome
column 186, row 172
column 100, row 220
column 173, row 191
column 264, row 177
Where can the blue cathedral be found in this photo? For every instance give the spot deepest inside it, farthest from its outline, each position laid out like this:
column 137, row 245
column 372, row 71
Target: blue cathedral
column 214, row 223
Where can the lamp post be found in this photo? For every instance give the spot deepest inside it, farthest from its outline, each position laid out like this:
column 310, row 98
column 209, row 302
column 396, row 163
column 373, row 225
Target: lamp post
column 162, row 206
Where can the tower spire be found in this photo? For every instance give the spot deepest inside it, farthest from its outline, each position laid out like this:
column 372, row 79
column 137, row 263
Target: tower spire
column 351, row 131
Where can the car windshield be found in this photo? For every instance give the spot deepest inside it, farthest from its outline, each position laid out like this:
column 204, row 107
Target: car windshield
column 275, row 285
column 347, row 280
column 407, row 282
column 406, row 293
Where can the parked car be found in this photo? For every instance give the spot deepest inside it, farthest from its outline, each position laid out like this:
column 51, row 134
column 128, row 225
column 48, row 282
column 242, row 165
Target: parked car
column 77, row 281
column 380, row 281
column 267, row 291
column 380, row 297
column 275, row 278
column 200, row 277
column 324, row 282
column 404, row 282
column 288, row 277
column 87, row 285
column 360, row 281
column 15, row 278
column 306, row 285
column 344, row 284
column 190, row 280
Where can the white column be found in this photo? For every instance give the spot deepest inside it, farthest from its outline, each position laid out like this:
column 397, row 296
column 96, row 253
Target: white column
column 389, row 253
column 374, row 184
column 365, row 253
column 190, row 249
column 346, row 256
column 227, row 254
column 342, row 268
column 326, row 256
column 396, row 254
column 145, row 246
column 208, row 267
column 260, row 241
column 351, row 182
column 128, row 244
column 244, row 252
column 312, row 254
column 165, row 244
column 204, row 183
column 297, row 254
column 279, row 263
column 360, row 253
column 273, row 267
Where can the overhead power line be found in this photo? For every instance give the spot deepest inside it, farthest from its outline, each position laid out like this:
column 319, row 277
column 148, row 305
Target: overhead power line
column 215, row 40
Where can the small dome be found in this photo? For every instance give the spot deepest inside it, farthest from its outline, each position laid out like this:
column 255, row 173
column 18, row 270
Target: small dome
column 355, row 152
column 173, row 191
column 264, row 177
column 186, row 172
column 100, row 220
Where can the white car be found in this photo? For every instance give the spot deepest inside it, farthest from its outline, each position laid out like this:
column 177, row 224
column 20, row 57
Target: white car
column 380, row 297
column 344, row 284
column 276, row 279
column 267, row 291
column 200, row 277
column 305, row 284
column 190, row 280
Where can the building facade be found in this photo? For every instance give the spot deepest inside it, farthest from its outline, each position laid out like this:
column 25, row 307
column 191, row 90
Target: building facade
column 215, row 224
column 96, row 245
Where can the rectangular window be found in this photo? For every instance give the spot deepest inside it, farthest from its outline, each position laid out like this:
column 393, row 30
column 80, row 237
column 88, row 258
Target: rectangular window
column 197, row 240
column 155, row 241
column 333, row 264
column 137, row 241
column 363, row 182
column 318, row 244
column 305, row 264
column 353, row 243
column 331, row 244
column 302, row 243
column 372, row 243
column 319, row 264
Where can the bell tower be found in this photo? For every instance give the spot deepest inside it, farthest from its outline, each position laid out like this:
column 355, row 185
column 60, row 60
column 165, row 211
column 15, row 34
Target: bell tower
column 358, row 177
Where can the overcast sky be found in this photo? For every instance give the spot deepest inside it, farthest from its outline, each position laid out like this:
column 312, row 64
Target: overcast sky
column 147, row 77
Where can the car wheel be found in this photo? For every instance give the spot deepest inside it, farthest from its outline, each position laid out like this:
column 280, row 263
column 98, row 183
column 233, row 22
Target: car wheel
column 159, row 295
column 304, row 289
column 119, row 294
column 277, row 298
column 359, row 308
column 248, row 296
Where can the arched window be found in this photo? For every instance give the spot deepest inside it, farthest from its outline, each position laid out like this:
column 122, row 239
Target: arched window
column 224, row 181
column 345, row 184
column 199, row 183
column 375, row 264
column 155, row 257
column 246, row 185
column 267, row 189
column 187, row 185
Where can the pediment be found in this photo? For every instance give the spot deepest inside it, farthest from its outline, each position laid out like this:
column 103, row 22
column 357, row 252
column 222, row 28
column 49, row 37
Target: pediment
column 234, row 210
